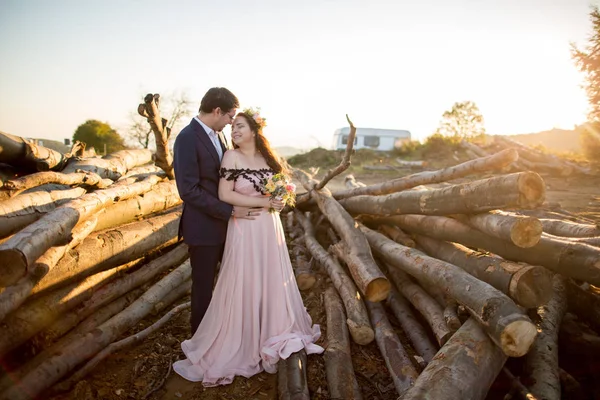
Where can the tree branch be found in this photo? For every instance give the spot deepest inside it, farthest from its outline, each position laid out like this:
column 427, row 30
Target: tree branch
column 345, row 163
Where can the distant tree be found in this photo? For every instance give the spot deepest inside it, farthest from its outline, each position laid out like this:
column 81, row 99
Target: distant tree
column 588, row 62
column 464, row 120
column 589, row 137
column 96, row 134
column 174, row 107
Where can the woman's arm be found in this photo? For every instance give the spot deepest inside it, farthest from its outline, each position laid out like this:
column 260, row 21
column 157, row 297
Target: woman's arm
column 228, row 195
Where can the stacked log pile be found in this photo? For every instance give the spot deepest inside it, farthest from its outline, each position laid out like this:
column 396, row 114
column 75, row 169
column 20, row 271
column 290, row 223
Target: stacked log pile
column 490, row 281
column 474, row 273
column 530, row 159
column 88, row 248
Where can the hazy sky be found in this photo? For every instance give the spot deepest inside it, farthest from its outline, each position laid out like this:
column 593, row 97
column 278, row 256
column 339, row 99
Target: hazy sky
column 388, row 64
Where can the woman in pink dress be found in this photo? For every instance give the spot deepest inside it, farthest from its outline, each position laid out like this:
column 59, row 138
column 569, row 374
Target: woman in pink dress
column 256, row 315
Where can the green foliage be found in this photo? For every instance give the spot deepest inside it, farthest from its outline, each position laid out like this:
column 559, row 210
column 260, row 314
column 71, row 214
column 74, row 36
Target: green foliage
column 96, row 134
column 408, row 149
column 590, row 141
column 588, row 62
column 464, row 120
column 439, row 145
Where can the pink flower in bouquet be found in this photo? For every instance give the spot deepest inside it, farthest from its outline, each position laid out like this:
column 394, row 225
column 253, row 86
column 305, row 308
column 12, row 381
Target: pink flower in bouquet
column 290, row 187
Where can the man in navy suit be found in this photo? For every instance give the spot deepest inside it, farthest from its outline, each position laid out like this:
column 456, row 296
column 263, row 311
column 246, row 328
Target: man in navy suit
column 197, row 155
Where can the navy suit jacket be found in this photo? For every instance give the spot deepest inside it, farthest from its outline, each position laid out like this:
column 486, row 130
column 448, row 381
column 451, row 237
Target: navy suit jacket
column 196, row 163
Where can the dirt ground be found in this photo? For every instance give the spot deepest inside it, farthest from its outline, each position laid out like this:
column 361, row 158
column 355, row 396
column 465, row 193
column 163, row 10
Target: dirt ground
column 143, row 371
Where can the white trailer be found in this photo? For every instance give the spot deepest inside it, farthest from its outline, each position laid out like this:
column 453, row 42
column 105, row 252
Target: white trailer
column 371, row 138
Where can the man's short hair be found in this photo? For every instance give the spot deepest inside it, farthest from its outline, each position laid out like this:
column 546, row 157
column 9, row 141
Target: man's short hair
column 218, row 97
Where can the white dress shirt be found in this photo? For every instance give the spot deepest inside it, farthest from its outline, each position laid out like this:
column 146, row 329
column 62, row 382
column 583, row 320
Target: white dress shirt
column 213, row 137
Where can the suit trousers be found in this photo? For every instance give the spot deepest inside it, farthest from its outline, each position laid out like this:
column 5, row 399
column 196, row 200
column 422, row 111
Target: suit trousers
column 204, row 261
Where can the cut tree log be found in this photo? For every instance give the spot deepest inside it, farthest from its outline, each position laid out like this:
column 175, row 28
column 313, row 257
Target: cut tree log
column 292, row 383
column 521, row 230
column 35, row 315
column 112, row 166
column 528, row 285
column 506, row 324
column 13, row 296
column 412, row 328
column 464, row 368
column 367, row 276
column 397, row 235
column 559, row 227
column 372, row 277
column 494, row 162
column 341, row 381
column 573, row 259
column 184, row 290
column 142, row 170
column 24, row 209
column 121, row 344
column 67, row 358
column 54, row 228
column 429, row 308
column 84, row 327
column 86, row 178
column 448, row 305
column 542, row 360
column 161, row 197
column 149, row 110
column 522, row 190
column 396, row 358
column 119, row 287
column 15, row 150
column 358, row 319
column 111, row 247
column 465, row 144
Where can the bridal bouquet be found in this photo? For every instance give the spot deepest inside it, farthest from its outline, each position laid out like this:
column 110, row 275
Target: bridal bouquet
column 280, row 186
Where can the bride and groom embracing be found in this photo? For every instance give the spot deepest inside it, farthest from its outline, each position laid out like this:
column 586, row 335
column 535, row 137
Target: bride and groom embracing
column 256, row 315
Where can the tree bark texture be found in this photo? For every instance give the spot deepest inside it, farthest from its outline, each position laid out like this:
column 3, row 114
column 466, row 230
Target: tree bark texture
column 506, row 324
column 370, row 281
column 292, row 383
column 341, row 381
column 13, row 296
column 429, row 308
column 149, row 110
column 485, row 164
column 19, row 152
column 521, row 230
column 111, row 247
column 66, row 359
column 55, row 227
column 522, row 190
column 529, row 285
column 573, row 259
column 119, row 287
column 112, row 166
column 37, row 314
column 411, row 326
column 357, row 317
column 559, row 227
column 24, row 209
column 464, row 368
column 87, row 179
column 542, row 359
column 398, row 362
column 161, row 197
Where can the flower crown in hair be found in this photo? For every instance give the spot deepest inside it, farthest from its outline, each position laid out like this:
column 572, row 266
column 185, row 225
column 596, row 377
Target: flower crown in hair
column 255, row 115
